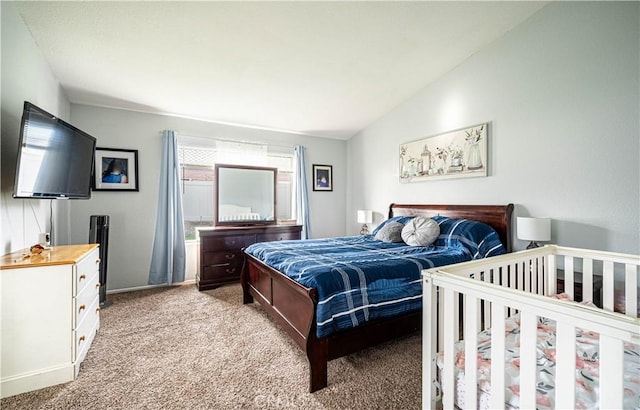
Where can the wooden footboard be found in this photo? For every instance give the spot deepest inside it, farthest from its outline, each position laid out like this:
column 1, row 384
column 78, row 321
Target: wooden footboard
column 293, row 307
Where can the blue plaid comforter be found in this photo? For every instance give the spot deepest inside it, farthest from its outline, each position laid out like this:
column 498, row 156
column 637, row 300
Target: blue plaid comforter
column 360, row 278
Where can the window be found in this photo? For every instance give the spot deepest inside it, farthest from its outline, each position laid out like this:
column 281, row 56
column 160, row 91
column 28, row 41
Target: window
column 197, row 177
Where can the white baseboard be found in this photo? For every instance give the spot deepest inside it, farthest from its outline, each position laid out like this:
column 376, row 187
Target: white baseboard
column 186, row 282
column 22, row 383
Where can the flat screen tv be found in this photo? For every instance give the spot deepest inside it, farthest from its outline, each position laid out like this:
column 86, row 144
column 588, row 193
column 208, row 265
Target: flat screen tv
column 55, row 159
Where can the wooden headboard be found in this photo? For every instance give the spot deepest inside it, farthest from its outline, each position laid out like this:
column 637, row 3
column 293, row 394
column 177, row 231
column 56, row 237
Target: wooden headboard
column 497, row 216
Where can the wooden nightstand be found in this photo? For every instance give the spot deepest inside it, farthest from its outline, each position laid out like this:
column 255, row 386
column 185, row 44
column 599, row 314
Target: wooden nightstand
column 577, row 287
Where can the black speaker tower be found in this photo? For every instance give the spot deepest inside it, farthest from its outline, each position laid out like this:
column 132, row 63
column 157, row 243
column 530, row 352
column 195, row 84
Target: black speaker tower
column 99, row 233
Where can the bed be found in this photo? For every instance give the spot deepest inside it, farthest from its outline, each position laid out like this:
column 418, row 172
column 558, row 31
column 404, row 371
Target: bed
column 533, row 348
column 294, row 306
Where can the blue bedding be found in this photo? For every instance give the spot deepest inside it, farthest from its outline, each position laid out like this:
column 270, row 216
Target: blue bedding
column 360, row 278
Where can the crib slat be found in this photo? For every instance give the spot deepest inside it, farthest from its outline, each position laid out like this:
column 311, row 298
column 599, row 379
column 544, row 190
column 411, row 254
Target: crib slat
column 566, row 366
column 587, row 279
column 526, row 274
column 607, row 286
column 568, row 277
column 611, row 371
column 486, row 305
column 448, row 377
column 552, row 274
column 440, row 320
column 471, row 351
column 512, row 282
column 497, row 357
column 528, row 335
column 540, row 271
column 631, row 291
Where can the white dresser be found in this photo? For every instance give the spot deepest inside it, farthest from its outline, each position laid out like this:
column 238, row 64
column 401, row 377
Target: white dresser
column 50, row 315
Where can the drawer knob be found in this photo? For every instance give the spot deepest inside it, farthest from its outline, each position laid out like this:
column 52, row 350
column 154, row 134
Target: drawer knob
column 82, row 277
column 230, row 255
column 98, row 309
column 98, row 285
column 81, row 308
column 82, row 338
column 231, row 270
column 98, row 260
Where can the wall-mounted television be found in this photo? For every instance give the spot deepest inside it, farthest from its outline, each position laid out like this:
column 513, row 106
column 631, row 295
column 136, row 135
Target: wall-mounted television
column 55, row 159
column 245, row 195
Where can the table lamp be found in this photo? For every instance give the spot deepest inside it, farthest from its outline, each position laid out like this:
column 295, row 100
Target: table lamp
column 534, row 230
column 365, row 217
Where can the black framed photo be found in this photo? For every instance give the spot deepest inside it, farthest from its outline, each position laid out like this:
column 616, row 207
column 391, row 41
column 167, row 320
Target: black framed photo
column 322, row 177
column 115, row 170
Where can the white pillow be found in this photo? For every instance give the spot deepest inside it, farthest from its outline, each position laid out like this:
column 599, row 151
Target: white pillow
column 420, row 231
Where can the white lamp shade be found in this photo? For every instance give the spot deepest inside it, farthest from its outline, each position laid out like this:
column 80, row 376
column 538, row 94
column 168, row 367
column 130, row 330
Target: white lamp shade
column 534, row 229
column 365, row 216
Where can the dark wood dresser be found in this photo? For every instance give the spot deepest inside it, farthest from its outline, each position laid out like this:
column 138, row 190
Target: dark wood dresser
column 221, row 257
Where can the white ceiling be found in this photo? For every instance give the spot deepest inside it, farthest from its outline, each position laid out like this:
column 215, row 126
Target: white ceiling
column 327, row 69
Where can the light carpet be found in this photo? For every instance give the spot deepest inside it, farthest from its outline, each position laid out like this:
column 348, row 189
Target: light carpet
column 177, row 348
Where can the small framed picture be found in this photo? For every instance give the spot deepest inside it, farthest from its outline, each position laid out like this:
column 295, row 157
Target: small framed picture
column 322, row 177
column 115, row 170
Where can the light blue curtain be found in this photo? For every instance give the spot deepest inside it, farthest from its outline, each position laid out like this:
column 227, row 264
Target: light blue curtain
column 302, row 195
column 168, row 259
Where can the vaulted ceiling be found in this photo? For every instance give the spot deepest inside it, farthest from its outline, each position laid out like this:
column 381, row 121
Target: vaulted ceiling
column 327, row 69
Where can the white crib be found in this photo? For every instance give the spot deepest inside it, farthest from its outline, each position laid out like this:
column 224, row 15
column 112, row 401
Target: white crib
column 463, row 300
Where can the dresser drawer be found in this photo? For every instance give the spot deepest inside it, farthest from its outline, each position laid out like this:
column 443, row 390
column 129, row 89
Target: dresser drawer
column 85, row 299
column 271, row 237
column 85, row 270
column 221, row 258
column 84, row 334
column 221, row 272
column 231, row 242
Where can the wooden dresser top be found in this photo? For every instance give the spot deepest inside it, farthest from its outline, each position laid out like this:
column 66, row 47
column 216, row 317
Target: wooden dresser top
column 56, row 255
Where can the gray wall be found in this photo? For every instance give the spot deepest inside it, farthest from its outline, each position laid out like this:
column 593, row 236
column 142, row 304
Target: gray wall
column 132, row 214
column 25, row 76
column 561, row 93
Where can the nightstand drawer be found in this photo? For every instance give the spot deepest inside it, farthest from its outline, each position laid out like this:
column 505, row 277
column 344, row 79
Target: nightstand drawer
column 221, row 258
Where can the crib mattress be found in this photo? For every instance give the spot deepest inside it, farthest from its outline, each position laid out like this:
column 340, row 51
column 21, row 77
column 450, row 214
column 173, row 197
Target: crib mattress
column 587, row 368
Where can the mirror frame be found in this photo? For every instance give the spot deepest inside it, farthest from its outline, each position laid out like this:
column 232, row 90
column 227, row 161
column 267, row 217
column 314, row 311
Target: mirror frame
column 217, row 221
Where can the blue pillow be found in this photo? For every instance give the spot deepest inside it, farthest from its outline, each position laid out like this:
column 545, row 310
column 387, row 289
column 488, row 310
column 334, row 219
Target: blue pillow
column 477, row 239
column 401, row 219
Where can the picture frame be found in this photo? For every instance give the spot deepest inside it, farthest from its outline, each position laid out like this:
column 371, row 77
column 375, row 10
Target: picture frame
column 322, row 177
column 460, row 153
column 115, row 170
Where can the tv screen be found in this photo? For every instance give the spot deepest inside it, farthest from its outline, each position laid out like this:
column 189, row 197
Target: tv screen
column 55, row 159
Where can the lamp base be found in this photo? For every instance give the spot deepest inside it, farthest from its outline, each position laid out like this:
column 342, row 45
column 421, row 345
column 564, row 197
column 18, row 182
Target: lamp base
column 533, row 244
column 364, row 230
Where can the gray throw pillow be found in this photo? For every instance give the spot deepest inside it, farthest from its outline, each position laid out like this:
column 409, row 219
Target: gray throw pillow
column 420, row 231
column 391, row 232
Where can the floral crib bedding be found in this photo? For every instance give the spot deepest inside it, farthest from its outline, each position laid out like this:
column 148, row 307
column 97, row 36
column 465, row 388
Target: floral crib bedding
column 587, row 367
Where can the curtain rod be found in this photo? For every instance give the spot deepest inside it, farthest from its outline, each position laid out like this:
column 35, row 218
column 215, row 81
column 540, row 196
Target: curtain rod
column 279, row 145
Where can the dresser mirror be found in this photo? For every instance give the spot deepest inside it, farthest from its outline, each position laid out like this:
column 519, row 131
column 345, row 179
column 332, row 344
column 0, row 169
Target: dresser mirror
column 245, row 195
